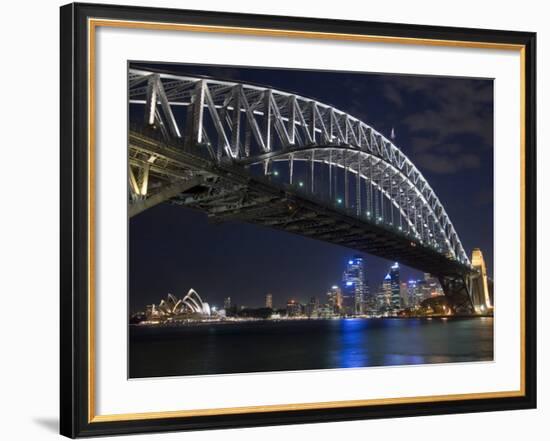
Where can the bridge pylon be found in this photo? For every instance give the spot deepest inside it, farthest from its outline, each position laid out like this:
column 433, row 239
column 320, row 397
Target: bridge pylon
column 480, row 284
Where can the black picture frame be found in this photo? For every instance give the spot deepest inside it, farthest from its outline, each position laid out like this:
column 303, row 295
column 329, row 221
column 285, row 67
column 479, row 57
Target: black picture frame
column 75, row 413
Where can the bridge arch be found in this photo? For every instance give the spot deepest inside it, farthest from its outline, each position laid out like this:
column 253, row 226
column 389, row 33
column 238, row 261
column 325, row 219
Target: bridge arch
column 257, row 126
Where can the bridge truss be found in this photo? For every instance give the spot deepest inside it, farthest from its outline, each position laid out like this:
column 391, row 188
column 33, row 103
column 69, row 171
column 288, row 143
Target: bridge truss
column 252, row 153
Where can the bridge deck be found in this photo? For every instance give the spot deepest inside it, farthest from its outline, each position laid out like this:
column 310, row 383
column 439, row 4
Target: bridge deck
column 228, row 192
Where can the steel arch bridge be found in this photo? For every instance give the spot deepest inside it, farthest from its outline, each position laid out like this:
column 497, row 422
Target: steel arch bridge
column 252, row 153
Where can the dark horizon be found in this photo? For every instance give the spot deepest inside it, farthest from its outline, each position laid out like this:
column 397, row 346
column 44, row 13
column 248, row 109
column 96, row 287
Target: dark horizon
column 445, row 126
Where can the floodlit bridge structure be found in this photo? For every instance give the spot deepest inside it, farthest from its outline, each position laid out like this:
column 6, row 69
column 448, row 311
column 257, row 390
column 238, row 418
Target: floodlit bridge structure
column 250, row 153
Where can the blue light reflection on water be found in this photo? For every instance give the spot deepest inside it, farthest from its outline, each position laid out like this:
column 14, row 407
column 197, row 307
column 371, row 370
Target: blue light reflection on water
column 385, row 341
column 353, row 340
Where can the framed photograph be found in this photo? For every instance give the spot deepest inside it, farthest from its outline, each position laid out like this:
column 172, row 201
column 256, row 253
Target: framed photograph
column 273, row 220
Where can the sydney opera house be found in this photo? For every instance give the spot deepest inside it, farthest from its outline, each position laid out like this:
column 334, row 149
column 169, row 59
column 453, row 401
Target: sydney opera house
column 191, row 306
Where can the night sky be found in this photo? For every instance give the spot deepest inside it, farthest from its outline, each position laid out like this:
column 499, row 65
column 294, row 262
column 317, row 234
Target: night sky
column 444, row 125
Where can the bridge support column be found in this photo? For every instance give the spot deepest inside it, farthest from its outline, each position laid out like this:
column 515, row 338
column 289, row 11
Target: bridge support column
column 458, row 290
column 166, row 193
column 480, row 284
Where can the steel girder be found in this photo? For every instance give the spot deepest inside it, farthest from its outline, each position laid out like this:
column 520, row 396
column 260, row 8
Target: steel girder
column 253, row 125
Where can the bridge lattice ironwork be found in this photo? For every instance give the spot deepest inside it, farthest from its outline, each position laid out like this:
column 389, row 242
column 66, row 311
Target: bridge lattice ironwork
column 308, row 146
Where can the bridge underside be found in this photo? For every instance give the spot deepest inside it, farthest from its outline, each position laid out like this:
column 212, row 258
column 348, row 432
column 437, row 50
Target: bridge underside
column 227, row 193
column 236, row 198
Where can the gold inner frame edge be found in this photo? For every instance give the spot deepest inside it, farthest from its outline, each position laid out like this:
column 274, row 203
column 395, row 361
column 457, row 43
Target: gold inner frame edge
column 264, row 32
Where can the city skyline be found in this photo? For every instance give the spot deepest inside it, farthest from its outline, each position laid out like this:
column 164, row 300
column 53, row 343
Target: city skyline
column 357, row 289
column 392, row 298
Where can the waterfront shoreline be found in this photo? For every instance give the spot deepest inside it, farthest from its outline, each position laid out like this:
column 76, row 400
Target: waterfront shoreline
column 292, row 320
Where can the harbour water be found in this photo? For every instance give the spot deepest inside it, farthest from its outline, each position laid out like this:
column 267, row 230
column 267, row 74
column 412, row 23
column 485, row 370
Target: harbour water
column 263, row 346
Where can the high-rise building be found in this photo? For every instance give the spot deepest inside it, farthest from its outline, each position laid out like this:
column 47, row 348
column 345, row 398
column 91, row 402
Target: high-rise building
column 348, row 299
column 312, row 308
column 432, row 285
column 370, row 305
column 424, row 290
column 334, row 299
column 404, row 294
column 413, row 300
column 395, row 302
column 384, row 296
column 293, row 308
column 355, row 286
column 269, row 301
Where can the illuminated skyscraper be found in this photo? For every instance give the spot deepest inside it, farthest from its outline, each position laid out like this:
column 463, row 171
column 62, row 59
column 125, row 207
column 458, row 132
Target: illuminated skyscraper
column 269, row 301
column 413, row 294
column 370, row 305
column 334, row 298
column 384, row 296
column 404, row 294
column 348, row 298
column 355, row 286
column 395, row 302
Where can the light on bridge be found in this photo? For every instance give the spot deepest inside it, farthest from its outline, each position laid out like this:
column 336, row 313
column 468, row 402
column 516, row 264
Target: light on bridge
column 404, row 186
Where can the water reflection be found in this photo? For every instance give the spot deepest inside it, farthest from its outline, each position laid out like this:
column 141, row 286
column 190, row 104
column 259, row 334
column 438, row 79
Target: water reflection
column 353, row 349
column 313, row 344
